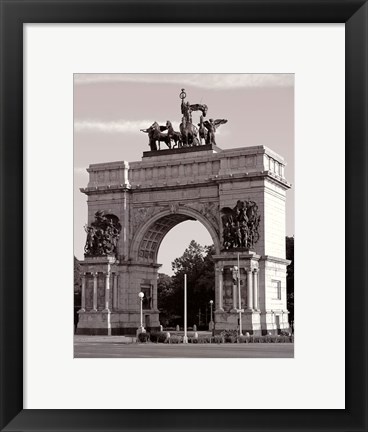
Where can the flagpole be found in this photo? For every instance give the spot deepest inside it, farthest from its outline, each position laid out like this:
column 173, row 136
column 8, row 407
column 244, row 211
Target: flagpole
column 185, row 339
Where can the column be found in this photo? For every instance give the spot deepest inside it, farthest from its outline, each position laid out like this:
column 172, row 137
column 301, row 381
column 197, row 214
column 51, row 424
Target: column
column 220, row 288
column 107, row 290
column 154, row 295
column 255, row 289
column 249, row 289
column 235, row 289
column 83, row 297
column 94, row 292
column 115, row 291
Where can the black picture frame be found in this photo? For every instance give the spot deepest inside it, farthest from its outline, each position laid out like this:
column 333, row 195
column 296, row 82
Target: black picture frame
column 14, row 13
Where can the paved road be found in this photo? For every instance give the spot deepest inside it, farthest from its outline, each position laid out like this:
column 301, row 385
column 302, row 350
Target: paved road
column 90, row 349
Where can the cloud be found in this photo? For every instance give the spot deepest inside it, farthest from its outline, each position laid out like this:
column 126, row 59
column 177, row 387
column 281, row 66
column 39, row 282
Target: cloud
column 80, row 171
column 120, row 126
column 206, row 81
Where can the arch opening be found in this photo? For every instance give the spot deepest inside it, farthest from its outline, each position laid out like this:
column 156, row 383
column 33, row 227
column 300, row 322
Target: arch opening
column 148, row 239
column 147, row 243
column 192, row 245
column 177, row 240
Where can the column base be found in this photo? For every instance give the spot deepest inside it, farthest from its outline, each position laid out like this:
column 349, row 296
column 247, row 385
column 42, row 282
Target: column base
column 82, row 310
column 230, row 321
column 106, row 311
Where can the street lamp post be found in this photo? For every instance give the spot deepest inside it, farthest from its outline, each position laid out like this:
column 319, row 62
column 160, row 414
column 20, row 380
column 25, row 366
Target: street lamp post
column 185, row 338
column 240, row 310
column 212, row 322
column 141, row 295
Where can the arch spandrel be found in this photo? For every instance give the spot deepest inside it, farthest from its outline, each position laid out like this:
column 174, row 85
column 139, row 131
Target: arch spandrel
column 148, row 237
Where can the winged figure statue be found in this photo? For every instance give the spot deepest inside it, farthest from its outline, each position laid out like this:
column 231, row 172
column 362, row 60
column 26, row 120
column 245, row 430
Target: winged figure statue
column 211, row 126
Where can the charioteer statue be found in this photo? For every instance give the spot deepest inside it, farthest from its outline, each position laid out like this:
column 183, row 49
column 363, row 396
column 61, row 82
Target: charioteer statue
column 189, row 134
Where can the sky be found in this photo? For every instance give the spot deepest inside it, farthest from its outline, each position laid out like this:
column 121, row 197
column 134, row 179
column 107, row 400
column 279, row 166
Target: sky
column 110, row 110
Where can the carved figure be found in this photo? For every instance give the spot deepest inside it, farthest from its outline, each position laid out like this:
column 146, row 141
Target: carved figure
column 240, row 225
column 211, row 126
column 102, row 235
column 173, row 135
column 151, row 137
column 188, row 131
column 186, row 110
column 202, row 130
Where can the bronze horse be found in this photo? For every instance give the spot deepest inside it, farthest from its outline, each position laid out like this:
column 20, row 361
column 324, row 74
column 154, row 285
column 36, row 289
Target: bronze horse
column 155, row 134
column 189, row 134
column 173, row 135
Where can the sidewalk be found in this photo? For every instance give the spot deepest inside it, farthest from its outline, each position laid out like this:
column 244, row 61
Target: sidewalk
column 107, row 339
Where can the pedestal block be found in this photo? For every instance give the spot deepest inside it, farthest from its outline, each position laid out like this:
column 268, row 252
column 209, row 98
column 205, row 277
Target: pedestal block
column 237, row 289
column 107, row 286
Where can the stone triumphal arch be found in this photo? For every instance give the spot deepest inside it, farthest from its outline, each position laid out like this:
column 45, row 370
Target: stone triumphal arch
column 238, row 194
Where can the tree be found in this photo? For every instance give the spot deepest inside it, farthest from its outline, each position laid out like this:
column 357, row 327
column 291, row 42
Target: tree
column 77, row 276
column 77, row 289
column 197, row 263
column 290, row 277
column 165, row 298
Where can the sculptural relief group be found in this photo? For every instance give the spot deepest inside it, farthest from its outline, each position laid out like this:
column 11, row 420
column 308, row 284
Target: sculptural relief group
column 240, row 225
column 102, row 235
column 189, row 135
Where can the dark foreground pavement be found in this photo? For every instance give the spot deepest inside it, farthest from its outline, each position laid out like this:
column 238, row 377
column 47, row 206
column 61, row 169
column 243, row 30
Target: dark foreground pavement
column 89, row 349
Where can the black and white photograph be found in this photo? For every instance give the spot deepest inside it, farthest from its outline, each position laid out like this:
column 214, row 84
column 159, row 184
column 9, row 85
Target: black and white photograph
column 183, row 215
column 197, row 171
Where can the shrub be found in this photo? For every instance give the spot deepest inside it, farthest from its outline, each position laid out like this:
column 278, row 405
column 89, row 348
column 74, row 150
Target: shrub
column 217, row 339
column 243, row 339
column 143, row 337
column 154, row 337
column 267, row 338
column 285, row 333
column 159, row 337
column 204, row 339
column 229, row 336
column 175, row 339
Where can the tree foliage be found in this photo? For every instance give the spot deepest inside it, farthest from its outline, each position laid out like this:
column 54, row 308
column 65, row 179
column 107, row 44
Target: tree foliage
column 77, row 288
column 77, row 276
column 290, row 277
column 197, row 263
